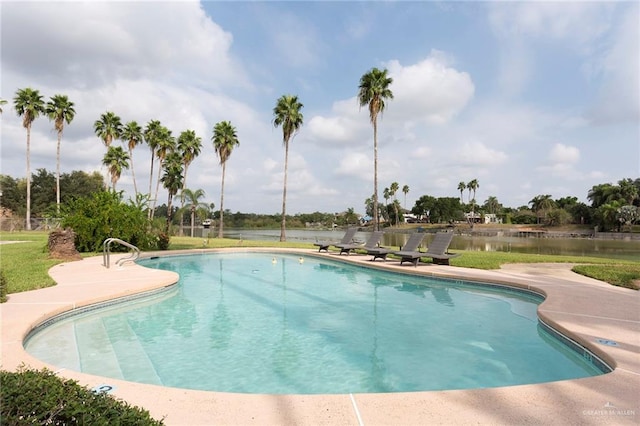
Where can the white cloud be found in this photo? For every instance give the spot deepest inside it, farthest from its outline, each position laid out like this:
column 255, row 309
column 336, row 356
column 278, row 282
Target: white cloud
column 562, row 154
column 355, row 164
column 579, row 23
column 88, row 44
column 478, row 154
column 619, row 97
column 430, row 90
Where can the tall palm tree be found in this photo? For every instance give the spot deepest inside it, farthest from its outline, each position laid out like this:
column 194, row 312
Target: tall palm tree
column 193, row 203
column 473, row 186
column 224, row 140
column 386, row 194
column 165, row 145
column 461, row 187
column 108, row 128
column 189, row 146
column 171, row 180
column 405, row 190
column 116, row 159
column 151, row 138
column 373, row 90
column 393, row 189
column 28, row 104
column 59, row 109
column 287, row 113
column 132, row 135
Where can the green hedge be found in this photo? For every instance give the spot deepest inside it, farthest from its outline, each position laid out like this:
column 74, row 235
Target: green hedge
column 3, row 286
column 40, row 397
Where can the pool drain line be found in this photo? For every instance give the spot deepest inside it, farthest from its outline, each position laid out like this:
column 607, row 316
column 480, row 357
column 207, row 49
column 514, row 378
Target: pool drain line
column 355, row 407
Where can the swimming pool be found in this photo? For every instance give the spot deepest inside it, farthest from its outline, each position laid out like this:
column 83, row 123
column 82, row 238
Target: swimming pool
column 264, row 323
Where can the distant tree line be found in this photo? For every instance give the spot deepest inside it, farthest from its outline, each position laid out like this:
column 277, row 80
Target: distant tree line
column 613, row 207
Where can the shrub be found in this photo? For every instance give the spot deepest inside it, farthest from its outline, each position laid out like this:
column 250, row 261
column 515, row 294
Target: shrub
column 3, row 287
column 104, row 215
column 40, row 397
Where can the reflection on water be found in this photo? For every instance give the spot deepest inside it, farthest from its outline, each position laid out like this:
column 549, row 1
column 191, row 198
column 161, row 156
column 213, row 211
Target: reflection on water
column 616, row 249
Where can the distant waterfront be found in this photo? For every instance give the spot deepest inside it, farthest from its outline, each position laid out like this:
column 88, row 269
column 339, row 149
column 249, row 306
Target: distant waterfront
column 616, row 249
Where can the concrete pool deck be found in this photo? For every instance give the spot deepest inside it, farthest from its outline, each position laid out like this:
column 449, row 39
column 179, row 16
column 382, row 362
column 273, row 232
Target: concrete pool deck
column 589, row 311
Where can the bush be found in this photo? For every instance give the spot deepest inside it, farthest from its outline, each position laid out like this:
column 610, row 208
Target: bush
column 103, row 216
column 3, row 287
column 40, row 397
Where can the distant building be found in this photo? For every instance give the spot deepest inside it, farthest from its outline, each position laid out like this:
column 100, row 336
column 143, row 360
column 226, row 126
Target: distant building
column 482, row 218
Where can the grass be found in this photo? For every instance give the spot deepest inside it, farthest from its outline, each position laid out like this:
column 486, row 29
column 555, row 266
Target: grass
column 26, row 264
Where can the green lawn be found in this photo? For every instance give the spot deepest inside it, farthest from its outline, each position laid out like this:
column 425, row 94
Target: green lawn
column 25, row 264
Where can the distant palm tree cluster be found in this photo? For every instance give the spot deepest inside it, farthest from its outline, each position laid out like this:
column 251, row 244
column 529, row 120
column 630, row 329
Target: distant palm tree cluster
column 174, row 155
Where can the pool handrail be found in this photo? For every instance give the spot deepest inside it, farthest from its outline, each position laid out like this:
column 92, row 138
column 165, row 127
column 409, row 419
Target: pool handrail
column 106, row 252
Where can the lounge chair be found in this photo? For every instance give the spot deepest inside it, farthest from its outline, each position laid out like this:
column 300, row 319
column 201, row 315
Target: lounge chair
column 372, row 242
column 347, row 239
column 410, row 247
column 437, row 250
column 382, row 252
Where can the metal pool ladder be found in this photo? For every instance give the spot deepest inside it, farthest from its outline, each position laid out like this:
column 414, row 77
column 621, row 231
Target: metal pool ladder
column 106, row 252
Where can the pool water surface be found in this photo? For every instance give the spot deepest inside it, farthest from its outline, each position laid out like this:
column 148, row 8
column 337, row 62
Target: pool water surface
column 285, row 324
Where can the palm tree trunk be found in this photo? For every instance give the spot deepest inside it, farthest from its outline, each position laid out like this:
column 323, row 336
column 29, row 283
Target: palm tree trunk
column 193, row 218
column 133, row 173
column 184, row 186
column 284, row 193
column 224, row 167
column 58, row 174
column 28, row 224
column 150, row 183
column 153, row 209
column 168, row 226
column 376, row 225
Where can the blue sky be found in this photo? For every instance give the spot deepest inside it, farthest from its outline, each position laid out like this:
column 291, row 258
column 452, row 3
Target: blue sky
column 529, row 98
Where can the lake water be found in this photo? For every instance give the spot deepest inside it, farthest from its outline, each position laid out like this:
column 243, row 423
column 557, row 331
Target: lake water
column 616, row 249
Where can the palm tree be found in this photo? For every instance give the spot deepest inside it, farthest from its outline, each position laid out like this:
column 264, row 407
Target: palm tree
column 108, row 128
column 373, row 90
column 189, row 147
column 60, row 110
column 132, row 135
column 473, row 186
column 386, row 194
column 193, row 203
column 461, row 187
column 171, row 180
column 151, row 138
column 393, row 188
column 2, row 102
column 116, row 159
column 29, row 105
column 287, row 113
column 541, row 204
column 224, row 140
column 165, row 144
column 405, row 190
column 492, row 205
column 628, row 191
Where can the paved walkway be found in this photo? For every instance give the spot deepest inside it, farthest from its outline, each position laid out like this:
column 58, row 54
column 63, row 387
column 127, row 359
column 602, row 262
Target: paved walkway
column 585, row 309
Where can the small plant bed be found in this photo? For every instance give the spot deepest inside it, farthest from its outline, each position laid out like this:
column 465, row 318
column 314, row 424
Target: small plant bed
column 40, row 397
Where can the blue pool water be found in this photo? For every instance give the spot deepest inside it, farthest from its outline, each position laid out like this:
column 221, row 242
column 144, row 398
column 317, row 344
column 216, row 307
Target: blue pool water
column 264, row 323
